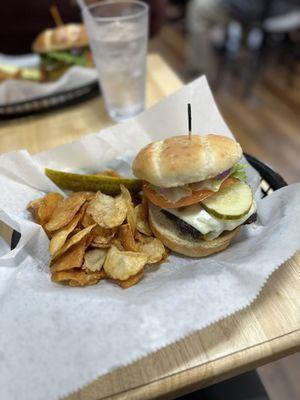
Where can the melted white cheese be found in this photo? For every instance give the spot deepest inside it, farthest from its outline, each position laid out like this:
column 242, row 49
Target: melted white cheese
column 208, row 224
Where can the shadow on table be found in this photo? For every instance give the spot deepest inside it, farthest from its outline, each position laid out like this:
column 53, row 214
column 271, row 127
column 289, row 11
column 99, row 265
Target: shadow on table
column 247, row 386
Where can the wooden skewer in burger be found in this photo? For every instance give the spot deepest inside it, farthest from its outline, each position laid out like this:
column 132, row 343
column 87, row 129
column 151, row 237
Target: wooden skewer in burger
column 197, row 192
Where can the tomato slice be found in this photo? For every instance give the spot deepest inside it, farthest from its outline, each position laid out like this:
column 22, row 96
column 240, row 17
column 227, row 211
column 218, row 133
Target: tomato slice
column 195, row 197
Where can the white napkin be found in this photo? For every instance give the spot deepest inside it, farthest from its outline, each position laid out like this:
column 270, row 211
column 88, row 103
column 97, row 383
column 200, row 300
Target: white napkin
column 15, row 90
column 56, row 339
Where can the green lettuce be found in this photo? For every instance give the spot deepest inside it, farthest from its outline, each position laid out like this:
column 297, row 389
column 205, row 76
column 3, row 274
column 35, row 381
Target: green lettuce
column 57, row 59
column 239, row 172
column 67, row 57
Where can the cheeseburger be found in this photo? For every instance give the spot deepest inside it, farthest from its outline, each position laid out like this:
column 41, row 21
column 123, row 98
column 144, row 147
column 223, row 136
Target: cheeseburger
column 197, row 192
column 62, row 47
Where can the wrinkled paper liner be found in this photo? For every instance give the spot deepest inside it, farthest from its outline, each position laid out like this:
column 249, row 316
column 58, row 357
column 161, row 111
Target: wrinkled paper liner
column 154, row 124
column 15, row 90
column 179, row 338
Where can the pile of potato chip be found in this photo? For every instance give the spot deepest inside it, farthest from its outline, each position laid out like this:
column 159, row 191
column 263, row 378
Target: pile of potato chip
column 94, row 236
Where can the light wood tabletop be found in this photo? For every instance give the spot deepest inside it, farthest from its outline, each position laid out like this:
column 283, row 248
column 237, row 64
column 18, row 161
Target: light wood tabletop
column 265, row 331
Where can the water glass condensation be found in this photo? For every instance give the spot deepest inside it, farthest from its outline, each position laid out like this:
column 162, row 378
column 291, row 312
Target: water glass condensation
column 118, row 34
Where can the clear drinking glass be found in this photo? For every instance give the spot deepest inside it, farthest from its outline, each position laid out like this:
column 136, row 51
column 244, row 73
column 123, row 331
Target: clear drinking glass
column 118, row 34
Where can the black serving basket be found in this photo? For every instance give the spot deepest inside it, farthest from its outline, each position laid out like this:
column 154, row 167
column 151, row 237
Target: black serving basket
column 51, row 102
column 270, row 181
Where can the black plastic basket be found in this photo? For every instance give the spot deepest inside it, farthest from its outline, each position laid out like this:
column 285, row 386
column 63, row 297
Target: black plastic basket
column 270, row 181
column 51, row 102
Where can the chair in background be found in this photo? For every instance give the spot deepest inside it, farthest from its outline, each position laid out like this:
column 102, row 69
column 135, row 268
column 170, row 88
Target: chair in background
column 250, row 40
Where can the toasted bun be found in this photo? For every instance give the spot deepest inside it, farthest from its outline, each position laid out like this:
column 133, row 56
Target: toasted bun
column 61, row 38
column 179, row 160
column 166, row 230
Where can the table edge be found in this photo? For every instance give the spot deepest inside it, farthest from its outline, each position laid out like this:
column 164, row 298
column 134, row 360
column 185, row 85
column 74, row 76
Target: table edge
column 188, row 380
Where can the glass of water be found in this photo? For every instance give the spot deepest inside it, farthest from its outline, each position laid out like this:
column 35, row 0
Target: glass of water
column 118, row 34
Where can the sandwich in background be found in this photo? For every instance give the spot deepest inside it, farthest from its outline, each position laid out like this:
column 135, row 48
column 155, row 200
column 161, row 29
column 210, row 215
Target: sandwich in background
column 62, row 47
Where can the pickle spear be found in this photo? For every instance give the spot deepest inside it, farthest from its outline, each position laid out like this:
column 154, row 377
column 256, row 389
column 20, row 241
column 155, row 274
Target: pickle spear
column 81, row 182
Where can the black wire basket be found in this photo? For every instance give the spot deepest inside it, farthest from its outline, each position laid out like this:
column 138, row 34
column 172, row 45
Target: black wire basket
column 270, row 181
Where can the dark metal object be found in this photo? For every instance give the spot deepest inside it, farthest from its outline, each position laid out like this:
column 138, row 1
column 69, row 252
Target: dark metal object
column 270, row 181
column 49, row 103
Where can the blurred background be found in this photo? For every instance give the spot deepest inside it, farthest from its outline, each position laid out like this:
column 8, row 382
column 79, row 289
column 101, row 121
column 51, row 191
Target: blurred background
column 249, row 51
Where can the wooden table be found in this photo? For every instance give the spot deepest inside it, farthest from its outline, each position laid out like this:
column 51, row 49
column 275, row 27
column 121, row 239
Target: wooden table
column 265, row 331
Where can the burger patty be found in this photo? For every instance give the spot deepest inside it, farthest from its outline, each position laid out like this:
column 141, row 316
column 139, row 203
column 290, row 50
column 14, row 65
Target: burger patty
column 187, row 229
column 183, row 226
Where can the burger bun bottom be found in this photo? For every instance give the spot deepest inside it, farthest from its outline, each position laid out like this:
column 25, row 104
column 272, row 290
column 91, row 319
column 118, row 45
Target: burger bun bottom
column 166, row 230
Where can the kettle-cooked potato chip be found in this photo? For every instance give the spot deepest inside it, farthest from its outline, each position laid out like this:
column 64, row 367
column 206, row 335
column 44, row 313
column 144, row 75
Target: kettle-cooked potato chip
column 123, row 264
column 125, row 194
column 71, row 259
column 94, row 259
column 105, row 232
column 155, row 249
column 131, row 219
column 65, row 211
column 77, row 277
column 126, row 237
column 142, row 223
column 102, row 242
column 82, row 212
column 133, row 280
column 73, row 240
column 102, row 236
column 33, row 207
column 95, row 236
column 59, row 238
column 35, row 204
column 89, row 239
column 117, row 243
column 88, row 195
column 50, row 202
column 45, row 207
column 140, row 237
column 108, row 211
column 87, row 220
column 131, row 215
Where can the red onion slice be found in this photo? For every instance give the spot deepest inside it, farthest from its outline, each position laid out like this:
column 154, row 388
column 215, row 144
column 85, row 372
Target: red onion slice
column 224, row 174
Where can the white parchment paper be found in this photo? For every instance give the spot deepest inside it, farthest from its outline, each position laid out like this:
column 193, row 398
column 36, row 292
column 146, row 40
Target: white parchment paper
column 56, row 339
column 16, row 90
